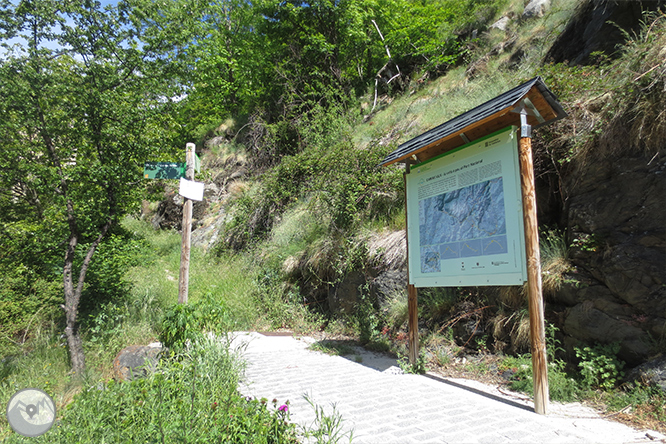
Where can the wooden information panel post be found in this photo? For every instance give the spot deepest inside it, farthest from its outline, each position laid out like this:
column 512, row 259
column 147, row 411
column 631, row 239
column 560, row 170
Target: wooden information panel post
column 412, row 296
column 528, row 105
column 534, row 293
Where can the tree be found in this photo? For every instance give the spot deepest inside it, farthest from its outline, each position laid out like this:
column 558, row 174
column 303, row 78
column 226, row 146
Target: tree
column 85, row 103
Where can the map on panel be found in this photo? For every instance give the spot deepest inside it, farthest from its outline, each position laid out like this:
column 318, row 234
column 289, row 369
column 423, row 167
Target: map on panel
column 462, row 223
column 464, row 216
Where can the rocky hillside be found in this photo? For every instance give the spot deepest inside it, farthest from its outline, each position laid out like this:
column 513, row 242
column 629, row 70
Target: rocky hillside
column 600, row 173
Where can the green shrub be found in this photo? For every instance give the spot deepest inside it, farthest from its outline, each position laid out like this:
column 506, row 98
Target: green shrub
column 190, row 399
column 416, row 368
column 106, row 278
column 27, row 302
column 366, row 319
column 186, row 323
column 599, row 365
column 561, row 386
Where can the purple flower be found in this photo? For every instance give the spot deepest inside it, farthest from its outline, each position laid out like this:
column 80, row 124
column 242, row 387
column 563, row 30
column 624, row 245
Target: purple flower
column 283, row 408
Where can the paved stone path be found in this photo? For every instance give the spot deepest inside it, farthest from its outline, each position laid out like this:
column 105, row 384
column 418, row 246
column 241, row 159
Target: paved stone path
column 381, row 405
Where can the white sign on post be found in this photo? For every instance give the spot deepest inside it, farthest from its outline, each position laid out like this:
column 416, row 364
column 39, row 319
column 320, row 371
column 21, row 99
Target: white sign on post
column 191, row 189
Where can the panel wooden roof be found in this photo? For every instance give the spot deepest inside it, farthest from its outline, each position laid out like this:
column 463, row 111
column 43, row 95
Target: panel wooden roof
column 540, row 103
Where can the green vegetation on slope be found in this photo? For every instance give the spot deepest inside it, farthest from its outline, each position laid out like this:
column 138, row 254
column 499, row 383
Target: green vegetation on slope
column 298, row 102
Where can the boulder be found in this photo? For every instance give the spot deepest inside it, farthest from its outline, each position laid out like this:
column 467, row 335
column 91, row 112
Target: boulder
column 136, row 361
column 207, row 233
column 589, row 324
column 501, row 24
column 536, row 8
column 652, row 373
column 598, row 25
column 387, row 285
column 342, row 297
column 169, row 214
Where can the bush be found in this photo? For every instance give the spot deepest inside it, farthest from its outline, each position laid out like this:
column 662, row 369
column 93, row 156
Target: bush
column 27, row 300
column 561, row 386
column 600, row 366
column 190, row 399
column 105, row 279
column 185, row 323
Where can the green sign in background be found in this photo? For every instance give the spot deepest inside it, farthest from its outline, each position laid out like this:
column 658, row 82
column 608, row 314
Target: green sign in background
column 164, row 170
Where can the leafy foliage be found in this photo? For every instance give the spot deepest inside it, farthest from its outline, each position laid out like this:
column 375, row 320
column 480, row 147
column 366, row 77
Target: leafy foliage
column 344, row 186
column 600, row 366
column 81, row 119
column 27, row 301
column 190, row 399
column 185, row 323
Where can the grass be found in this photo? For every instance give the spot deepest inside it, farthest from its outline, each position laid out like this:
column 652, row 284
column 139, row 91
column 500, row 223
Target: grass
column 193, row 396
column 228, row 278
column 334, row 348
column 43, row 365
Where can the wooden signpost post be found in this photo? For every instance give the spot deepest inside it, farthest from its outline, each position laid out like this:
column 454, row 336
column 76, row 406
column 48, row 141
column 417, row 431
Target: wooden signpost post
column 184, row 276
column 190, row 191
column 529, row 104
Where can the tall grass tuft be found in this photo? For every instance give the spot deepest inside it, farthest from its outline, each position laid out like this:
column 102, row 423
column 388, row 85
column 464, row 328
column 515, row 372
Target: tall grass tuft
column 554, row 261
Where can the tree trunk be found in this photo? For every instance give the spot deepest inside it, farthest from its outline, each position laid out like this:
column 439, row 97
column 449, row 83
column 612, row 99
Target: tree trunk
column 75, row 344
column 73, row 296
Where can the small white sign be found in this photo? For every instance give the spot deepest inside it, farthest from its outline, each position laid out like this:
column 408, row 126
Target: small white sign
column 191, row 189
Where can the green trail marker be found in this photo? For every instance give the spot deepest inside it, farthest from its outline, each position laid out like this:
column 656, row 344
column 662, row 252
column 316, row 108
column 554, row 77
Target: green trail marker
column 163, row 170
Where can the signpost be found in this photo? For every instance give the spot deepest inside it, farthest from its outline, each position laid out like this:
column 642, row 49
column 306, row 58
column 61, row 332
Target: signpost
column 190, row 190
column 184, row 277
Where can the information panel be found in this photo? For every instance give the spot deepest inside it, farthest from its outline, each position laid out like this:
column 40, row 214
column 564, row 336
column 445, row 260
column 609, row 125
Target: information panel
column 464, row 215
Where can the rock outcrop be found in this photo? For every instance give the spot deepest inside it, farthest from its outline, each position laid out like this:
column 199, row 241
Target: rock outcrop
column 136, row 361
column 617, row 220
column 651, row 373
column 599, row 26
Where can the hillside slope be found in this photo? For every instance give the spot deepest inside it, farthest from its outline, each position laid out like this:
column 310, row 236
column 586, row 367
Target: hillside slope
column 326, row 223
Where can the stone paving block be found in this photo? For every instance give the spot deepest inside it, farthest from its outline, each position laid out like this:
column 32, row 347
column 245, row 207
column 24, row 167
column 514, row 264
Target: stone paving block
column 406, row 432
column 384, row 408
column 430, row 417
column 407, row 424
column 429, row 436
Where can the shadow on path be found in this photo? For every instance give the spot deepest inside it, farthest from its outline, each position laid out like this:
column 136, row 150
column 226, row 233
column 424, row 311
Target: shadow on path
column 383, row 362
column 352, row 351
column 480, row 392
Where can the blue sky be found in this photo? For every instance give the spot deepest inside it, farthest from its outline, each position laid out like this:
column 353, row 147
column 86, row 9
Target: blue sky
column 48, row 45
